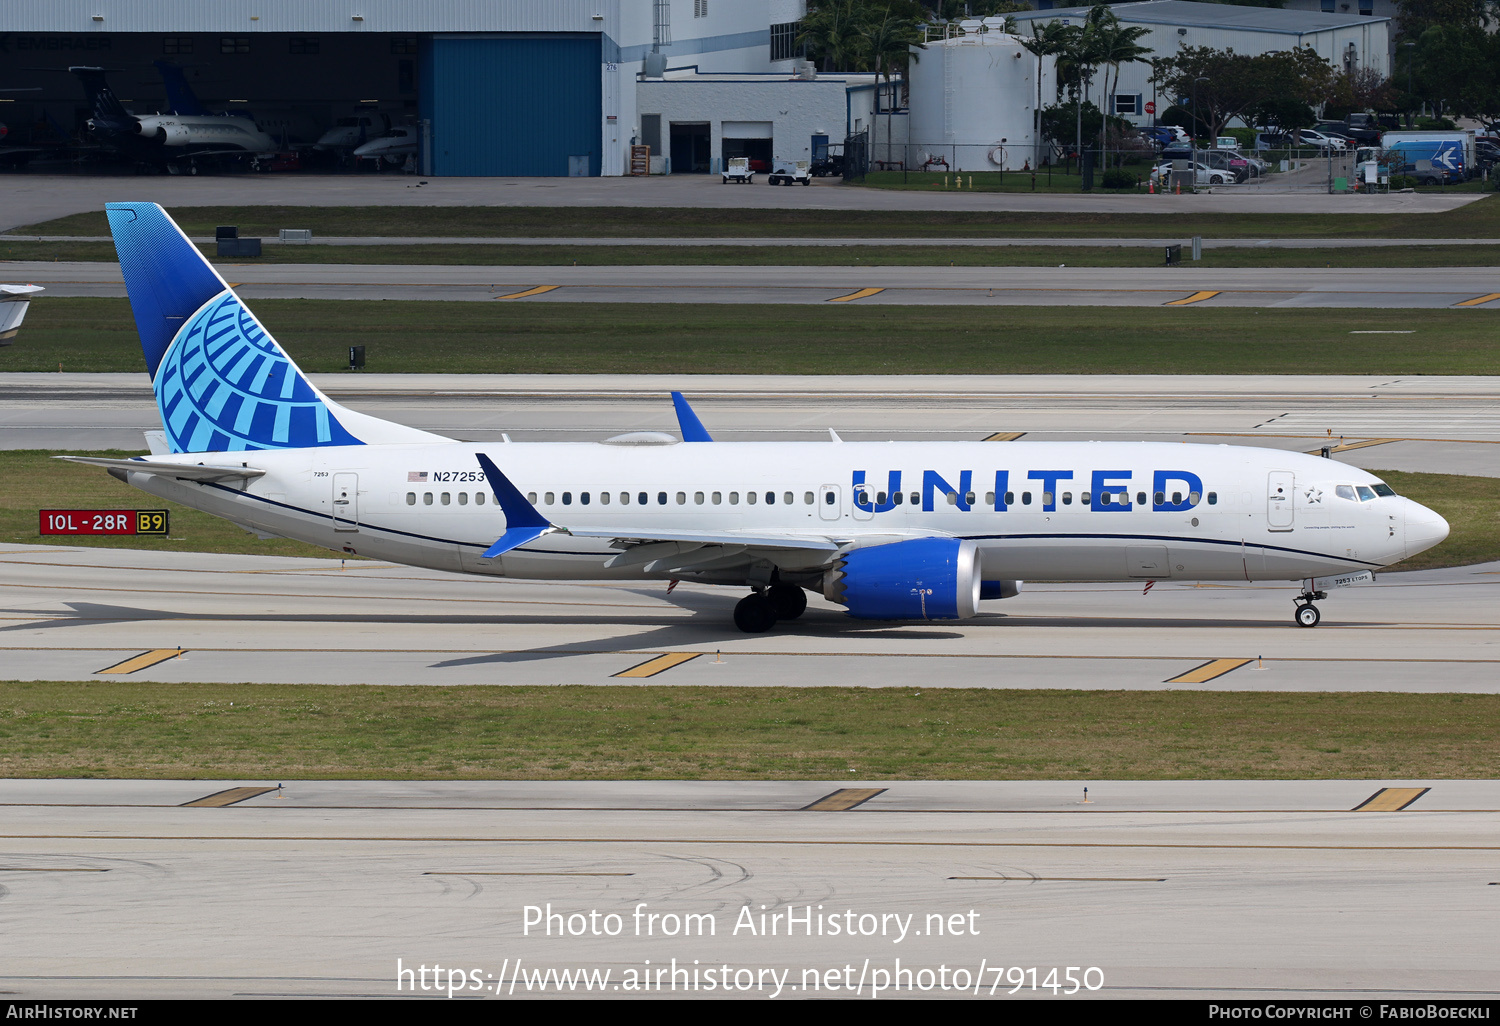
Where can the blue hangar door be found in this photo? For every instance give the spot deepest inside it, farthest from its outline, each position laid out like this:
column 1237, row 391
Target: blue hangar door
column 519, row 104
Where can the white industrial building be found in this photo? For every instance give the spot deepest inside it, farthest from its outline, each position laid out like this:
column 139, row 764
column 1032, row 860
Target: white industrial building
column 697, row 121
column 500, row 87
column 1345, row 39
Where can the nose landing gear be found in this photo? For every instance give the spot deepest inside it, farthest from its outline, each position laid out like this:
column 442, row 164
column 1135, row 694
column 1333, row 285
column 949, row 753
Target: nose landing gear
column 1307, row 614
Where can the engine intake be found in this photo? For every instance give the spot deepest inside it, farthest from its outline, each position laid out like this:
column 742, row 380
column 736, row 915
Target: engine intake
column 922, row 579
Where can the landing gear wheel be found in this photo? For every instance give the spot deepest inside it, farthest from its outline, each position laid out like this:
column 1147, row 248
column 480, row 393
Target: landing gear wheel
column 788, row 600
column 1307, row 615
column 755, row 614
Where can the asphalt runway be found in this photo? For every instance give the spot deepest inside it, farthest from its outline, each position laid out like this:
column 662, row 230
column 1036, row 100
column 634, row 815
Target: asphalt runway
column 1225, row 889
column 761, row 243
column 72, row 612
column 1437, row 424
column 1382, row 288
column 33, row 199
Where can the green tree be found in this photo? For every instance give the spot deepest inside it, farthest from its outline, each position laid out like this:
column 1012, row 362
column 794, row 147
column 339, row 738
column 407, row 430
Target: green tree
column 833, row 33
column 1227, row 85
column 1455, row 68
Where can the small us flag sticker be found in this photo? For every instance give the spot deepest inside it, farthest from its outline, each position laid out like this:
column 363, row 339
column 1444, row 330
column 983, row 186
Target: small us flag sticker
column 416, row 475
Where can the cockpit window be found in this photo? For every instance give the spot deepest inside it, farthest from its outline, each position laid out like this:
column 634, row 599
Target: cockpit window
column 1366, row 493
column 1345, row 492
column 1381, row 488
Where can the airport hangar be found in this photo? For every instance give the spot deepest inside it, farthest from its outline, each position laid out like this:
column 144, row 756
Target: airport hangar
column 521, row 88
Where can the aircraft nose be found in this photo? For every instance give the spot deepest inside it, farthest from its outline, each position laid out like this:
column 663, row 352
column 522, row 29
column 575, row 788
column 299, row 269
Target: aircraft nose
column 1424, row 529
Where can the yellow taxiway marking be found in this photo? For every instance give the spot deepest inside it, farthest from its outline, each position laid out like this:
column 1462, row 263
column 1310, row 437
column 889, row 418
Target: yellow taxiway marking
column 1211, row 670
column 1196, row 297
column 219, row 799
column 145, row 659
column 1346, row 446
column 1391, row 799
column 539, row 290
column 844, row 799
column 861, row 294
column 493, row 872
column 651, row 667
column 1004, row 436
column 1480, row 300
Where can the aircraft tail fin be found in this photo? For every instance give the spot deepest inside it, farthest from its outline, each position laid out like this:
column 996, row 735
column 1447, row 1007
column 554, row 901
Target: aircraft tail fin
column 103, row 103
column 179, row 94
column 222, row 382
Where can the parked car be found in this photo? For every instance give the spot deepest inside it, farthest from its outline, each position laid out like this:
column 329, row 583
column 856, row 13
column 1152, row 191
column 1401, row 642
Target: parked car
column 1206, row 175
column 1165, row 135
column 1312, row 138
column 1227, row 160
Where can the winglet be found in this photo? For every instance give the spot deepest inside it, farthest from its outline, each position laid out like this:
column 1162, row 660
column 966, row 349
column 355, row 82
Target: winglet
column 522, row 521
column 692, row 428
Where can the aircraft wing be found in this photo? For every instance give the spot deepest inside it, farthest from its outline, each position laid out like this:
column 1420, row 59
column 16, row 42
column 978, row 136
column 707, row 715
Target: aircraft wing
column 181, row 471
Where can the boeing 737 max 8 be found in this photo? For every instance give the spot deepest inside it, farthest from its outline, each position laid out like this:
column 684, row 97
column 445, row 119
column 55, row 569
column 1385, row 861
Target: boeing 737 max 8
column 890, row 530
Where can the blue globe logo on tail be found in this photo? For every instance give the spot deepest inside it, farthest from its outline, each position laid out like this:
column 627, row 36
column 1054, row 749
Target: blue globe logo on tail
column 224, row 385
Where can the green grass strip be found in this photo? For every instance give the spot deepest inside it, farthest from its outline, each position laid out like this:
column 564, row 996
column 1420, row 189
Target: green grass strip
column 287, row 732
column 95, row 335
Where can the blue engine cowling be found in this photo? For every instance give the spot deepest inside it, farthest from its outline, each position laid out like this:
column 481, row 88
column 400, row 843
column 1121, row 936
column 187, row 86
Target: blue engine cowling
column 922, row 579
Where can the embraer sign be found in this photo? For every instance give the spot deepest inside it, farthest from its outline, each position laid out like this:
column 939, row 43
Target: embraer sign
column 10, row 43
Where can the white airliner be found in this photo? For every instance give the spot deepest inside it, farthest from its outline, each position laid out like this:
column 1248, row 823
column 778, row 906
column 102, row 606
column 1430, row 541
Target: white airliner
column 890, row 530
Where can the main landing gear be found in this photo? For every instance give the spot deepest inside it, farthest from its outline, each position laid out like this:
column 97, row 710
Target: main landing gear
column 758, row 612
column 1307, row 614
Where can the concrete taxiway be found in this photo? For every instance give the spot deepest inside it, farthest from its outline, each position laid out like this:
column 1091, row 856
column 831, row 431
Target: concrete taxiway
column 1436, row 424
column 1363, row 288
column 33, row 199
column 73, row 613
column 1233, row 889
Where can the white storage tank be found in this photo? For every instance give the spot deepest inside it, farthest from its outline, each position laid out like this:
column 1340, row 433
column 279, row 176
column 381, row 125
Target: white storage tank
column 973, row 97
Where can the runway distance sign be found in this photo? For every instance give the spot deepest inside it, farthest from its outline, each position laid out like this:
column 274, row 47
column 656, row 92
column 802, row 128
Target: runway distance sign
column 103, row 521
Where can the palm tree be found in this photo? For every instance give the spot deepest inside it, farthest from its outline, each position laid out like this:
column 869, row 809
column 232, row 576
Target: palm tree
column 1049, row 39
column 834, row 32
column 1116, row 44
column 889, row 37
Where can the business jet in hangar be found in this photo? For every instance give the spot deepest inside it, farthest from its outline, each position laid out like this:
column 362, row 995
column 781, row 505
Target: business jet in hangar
column 889, row 530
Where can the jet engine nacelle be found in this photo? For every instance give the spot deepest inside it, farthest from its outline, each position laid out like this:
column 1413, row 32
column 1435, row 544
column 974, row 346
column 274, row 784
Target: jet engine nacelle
column 1000, row 589
column 174, row 135
column 922, row 579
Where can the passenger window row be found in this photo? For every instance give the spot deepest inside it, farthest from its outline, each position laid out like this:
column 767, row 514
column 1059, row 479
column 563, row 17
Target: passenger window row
column 446, row 498
column 1107, row 498
column 668, row 498
column 789, row 498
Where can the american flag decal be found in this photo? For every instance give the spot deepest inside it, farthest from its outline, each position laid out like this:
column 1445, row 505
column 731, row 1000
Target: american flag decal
column 416, row 475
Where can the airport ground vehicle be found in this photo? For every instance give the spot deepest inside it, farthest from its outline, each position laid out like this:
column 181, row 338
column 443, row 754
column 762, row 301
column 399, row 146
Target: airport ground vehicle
column 738, row 171
column 888, row 530
column 790, row 172
column 1432, row 157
